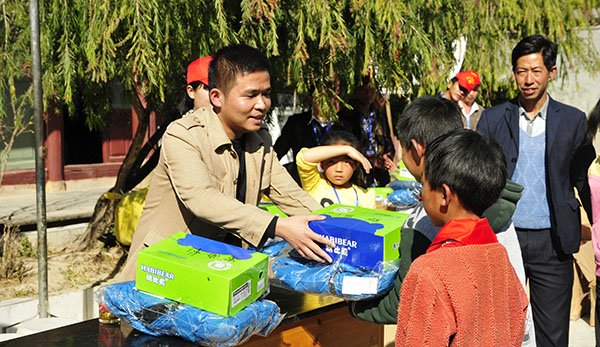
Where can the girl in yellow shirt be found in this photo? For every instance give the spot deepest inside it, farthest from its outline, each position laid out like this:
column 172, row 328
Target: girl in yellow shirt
column 327, row 172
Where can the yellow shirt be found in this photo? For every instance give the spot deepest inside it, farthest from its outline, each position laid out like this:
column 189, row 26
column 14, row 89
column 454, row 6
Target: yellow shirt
column 323, row 191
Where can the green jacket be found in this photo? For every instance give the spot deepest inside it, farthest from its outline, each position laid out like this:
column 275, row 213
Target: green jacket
column 384, row 309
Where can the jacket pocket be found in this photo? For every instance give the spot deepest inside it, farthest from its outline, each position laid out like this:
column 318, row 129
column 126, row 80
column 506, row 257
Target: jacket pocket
column 217, row 182
column 573, row 202
column 153, row 237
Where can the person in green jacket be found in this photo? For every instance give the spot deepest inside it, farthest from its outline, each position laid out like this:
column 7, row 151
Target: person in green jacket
column 422, row 121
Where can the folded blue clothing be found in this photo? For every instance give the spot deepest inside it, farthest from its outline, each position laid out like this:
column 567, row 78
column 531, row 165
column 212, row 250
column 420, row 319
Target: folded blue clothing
column 405, row 185
column 337, row 279
column 405, row 194
column 162, row 317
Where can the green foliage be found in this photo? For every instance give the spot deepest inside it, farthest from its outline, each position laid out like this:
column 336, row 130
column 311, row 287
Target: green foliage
column 26, row 249
column 145, row 45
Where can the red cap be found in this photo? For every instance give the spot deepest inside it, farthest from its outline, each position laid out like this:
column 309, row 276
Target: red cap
column 468, row 79
column 198, row 70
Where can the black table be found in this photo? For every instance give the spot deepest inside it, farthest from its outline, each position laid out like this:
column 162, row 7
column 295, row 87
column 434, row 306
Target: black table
column 310, row 320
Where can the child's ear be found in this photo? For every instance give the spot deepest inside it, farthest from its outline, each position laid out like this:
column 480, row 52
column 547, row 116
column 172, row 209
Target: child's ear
column 419, row 148
column 190, row 91
column 447, row 195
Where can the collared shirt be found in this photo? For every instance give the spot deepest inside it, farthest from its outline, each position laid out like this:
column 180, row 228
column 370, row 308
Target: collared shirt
column 537, row 125
column 323, row 124
column 474, row 108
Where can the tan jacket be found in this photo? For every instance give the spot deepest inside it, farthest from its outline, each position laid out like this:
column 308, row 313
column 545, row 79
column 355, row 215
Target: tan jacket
column 193, row 187
column 474, row 117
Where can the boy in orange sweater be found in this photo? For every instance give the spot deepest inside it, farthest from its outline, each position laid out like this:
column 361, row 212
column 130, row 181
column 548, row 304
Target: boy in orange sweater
column 464, row 290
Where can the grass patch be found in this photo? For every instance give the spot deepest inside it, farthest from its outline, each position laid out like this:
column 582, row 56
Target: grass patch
column 11, row 259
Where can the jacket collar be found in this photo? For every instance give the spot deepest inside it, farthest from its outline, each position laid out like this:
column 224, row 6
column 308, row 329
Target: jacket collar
column 512, row 115
column 216, row 132
column 552, row 122
column 462, row 232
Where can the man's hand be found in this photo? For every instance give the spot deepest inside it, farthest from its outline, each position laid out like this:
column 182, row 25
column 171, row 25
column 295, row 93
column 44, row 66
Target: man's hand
column 296, row 232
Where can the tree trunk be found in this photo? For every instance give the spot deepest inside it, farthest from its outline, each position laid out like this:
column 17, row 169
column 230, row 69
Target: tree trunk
column 102, row 217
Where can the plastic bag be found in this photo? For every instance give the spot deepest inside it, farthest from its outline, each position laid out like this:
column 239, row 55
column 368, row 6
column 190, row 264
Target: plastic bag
column 127, row 215
column 338, row 279
column 158, row 316
column 405, row 194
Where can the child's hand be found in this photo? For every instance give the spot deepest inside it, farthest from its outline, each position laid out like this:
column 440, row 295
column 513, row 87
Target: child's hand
column 385, row 162
column 354, row 154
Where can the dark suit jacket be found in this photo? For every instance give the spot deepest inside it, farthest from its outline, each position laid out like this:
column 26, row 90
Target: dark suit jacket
column 565, row 141
column 297, row 133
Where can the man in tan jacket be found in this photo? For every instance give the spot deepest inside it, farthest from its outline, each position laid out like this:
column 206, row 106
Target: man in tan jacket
column 216, row 163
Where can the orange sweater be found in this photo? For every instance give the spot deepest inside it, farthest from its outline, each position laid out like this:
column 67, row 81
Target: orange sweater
column 467, row 295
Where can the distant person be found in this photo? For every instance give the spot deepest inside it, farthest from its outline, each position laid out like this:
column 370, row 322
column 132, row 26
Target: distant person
column 305, row 130
column 594, row 181
column 542, row 140
column 196, row 91
column 215, row 165
column 471, row 111
column 464, row 290
column 454, row 91
column 369, row 124
column 330, row 173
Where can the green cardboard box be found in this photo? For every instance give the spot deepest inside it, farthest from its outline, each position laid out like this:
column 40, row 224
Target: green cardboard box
column 271, row 207
column 364, row 237
column 204, row 273
column 404, row 174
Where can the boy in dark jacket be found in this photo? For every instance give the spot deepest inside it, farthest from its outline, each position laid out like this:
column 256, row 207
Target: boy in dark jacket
column 425, row 119
column 464, row 291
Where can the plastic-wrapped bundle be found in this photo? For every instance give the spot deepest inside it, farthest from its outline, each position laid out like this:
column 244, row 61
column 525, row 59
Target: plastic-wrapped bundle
column 162, row 317
column 338, row 279
column 405, row 194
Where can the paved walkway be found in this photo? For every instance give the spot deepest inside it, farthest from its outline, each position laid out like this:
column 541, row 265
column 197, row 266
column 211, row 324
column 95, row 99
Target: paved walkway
column 19, row 208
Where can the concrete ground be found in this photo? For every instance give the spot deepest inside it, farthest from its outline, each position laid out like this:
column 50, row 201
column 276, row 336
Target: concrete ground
column 76, row 202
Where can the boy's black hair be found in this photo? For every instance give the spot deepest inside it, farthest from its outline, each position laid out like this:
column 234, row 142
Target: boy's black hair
column 535, row 44
column 473, row 167
column 338, row 137
column 426, row 118
column 232, row 60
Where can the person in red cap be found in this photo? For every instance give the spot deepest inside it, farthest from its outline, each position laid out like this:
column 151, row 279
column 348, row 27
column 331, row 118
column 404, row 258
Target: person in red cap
column 471, row 111
column 454, row 91
column 196, row 94
column 463, row 89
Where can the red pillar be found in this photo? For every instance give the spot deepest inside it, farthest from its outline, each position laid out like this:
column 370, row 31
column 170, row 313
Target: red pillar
column 54, row 144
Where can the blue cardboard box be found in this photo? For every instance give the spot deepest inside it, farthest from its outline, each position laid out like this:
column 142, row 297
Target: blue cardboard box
column 364, row 237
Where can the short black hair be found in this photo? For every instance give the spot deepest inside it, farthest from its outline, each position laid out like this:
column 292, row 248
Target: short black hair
column 535, row 44
column 472, row 166
column 426, row 118
column 232, row 60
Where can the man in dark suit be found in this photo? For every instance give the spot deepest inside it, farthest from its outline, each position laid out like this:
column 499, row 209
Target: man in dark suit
column 307, row 129
column 541, row 139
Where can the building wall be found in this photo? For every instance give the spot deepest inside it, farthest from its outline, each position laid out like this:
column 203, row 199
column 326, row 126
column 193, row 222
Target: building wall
column 580, row 89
